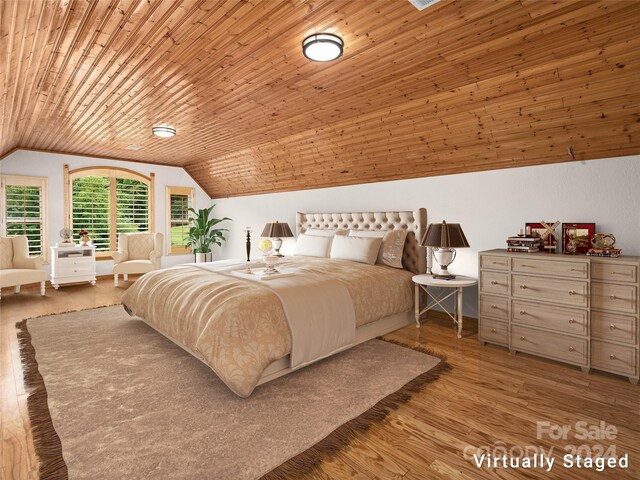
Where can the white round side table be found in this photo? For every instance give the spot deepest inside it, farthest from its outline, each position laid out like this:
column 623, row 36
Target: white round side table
column 422, row 282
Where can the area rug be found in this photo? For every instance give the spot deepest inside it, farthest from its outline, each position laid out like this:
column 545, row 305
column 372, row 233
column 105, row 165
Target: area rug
column 109, row 397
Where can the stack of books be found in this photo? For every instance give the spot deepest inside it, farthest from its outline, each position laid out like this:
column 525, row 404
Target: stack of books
column 604, row 252
column 523, row 244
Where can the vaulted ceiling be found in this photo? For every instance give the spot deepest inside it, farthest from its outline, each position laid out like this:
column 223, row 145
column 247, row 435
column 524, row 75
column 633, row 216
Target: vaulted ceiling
column 460, row 86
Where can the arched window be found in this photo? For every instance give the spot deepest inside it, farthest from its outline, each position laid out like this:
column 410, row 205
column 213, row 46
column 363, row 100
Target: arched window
column 106, row 202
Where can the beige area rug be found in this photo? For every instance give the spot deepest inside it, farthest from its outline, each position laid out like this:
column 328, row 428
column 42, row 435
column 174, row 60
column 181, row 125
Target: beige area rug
column 112, row 398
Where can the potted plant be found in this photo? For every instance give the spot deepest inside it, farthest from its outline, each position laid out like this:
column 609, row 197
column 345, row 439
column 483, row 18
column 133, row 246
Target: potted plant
column 203, row 233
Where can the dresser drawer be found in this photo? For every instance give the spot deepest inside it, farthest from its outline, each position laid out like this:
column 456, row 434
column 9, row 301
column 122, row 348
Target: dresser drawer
column 72, row 270
column 551, row 345
column 614, row 327
column 614, row 272
column 574, row 269
column 614, row 358
column 617, row 298
column 494, row 262
column 496, row 307
column 74, row 261
column 494, row 282
column 568, row 292
column 569, row 320
column 494, row 332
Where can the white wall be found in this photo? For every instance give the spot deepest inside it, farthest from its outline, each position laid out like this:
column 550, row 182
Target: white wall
column 489, row 205
column 51, row 165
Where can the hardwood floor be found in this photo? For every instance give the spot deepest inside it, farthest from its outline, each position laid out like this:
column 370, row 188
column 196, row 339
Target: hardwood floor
column 490, row 398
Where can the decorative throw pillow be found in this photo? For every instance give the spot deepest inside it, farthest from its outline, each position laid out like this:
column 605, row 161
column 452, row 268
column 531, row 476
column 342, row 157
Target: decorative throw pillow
column 392, row 245
column 312, row 246
column 356, row 249
column 317, row 232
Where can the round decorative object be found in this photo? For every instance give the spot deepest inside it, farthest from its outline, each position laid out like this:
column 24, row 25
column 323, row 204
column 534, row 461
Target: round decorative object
column 322, row 47
column 271, row 261
column 265, row 245
column 603, row 241
column 66, row 234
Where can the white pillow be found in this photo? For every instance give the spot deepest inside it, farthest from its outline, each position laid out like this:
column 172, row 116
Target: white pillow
column 356, row 249
column 312, row 246
column 317, row 232
column 392, row 245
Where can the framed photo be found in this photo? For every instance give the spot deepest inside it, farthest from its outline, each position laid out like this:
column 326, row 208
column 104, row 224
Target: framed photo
column 546, row 232
column 576, row 237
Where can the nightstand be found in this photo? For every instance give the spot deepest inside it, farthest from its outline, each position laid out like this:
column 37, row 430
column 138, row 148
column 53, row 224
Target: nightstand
column 422, row 282
column 73, row 264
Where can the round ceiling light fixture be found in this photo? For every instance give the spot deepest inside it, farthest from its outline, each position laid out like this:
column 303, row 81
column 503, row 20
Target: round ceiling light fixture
column 164, row 131
column 322, row 47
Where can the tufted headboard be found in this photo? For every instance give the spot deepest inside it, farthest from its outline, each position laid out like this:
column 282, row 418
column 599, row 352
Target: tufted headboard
column 413, row 257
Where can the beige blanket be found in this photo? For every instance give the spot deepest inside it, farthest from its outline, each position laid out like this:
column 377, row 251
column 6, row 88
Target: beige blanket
column 238, row 327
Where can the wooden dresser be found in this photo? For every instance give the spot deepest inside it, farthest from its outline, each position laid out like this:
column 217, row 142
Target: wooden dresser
column 571, row 308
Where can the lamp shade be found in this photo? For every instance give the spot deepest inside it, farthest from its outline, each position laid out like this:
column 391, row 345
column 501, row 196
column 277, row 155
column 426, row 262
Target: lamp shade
column 277, row 230
column 444, row 235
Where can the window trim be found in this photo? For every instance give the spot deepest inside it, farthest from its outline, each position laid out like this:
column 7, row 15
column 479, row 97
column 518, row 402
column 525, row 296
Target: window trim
column 171, row 250
column 112, row 173
column 29, row 181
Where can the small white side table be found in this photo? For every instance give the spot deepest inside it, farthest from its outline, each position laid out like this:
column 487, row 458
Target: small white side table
column 422, row 282
column 73, row 264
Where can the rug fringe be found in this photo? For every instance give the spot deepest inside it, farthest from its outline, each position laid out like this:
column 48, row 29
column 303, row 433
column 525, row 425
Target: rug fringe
column 73, row 311
column 340, row 438
column 45, row 439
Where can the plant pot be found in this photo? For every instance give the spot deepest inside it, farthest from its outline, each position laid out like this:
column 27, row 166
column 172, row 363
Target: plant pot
column 209, row 257
column 201, row 257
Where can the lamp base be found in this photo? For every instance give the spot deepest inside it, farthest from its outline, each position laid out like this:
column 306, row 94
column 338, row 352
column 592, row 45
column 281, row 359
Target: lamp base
column 444, row 257
column 443, row 276
column 277, row 243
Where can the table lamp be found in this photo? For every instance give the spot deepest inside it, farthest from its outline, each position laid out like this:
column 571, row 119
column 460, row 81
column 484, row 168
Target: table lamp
column 444, row 238
column 276, row 231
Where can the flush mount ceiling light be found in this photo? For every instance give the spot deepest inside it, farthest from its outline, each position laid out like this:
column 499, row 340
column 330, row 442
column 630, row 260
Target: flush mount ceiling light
column 164, row 131
column 322, row 47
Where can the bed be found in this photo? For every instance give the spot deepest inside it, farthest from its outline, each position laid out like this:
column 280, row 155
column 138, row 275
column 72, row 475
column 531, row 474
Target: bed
column 239, row 328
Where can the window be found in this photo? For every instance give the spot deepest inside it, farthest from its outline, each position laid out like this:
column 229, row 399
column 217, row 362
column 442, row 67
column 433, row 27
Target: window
column 179, row 199
column 23, row 211
column 106, row 202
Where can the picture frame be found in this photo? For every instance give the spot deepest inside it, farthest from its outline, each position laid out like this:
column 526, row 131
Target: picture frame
column 576, row 237
column 547, row 233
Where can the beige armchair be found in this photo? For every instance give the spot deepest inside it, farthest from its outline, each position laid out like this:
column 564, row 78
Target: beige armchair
column 17, row 267
column 137, row 253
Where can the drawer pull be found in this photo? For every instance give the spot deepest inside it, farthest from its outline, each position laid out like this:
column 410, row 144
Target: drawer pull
column 577, row 270
column 523, row 312
column 525, row 265
column 523, row 287
column 571, row 349
column 619, row 273
column 613, row 297
column 572, row 321
column 496, row 263
column 523, row 338
column 613, row 326
column 494, row 306
column 612, row 357
column 493, row 282
column 493, row 330
column 572, row 292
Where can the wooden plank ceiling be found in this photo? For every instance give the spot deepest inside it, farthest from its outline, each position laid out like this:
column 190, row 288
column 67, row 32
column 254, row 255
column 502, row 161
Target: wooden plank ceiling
column 461, row 86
